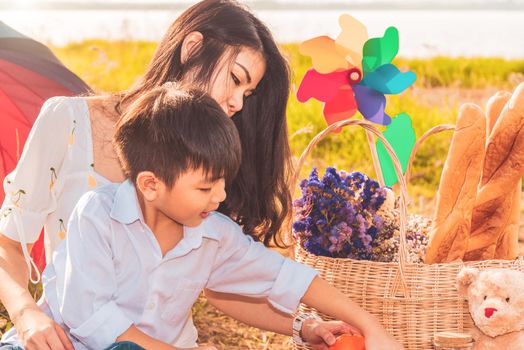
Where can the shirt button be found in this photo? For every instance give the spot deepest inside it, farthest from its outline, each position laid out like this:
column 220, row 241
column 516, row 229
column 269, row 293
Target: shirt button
column 151, row 306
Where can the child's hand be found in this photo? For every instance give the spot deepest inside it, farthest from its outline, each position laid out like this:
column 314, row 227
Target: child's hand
column 382, row 341
column 321, row 334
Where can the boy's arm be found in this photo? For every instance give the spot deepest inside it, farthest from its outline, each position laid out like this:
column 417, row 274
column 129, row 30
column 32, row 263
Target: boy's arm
column 271, row 285
column 329, row 300
column 242, row 266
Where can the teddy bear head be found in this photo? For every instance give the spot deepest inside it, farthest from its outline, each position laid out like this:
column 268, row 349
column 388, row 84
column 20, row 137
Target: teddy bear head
column 495, row 297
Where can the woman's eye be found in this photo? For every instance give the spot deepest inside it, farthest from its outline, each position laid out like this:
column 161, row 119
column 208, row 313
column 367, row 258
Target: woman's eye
column 507, row 300
column 205, row 189
column 235, row 79
column 485, row 297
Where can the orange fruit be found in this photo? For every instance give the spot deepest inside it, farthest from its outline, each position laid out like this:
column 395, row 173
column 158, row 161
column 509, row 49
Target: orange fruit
column 349, row 342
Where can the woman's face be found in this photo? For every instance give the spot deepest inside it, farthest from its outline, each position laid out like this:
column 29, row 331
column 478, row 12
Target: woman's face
column 236, row 81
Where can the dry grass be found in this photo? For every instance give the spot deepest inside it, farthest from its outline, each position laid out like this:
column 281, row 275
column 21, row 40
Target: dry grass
column 226, row 333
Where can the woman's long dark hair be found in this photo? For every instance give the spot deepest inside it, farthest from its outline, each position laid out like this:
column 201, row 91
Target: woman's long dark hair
column 259, row 198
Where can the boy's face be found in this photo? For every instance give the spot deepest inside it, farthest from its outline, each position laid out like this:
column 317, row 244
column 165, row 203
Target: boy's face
column 192, row 198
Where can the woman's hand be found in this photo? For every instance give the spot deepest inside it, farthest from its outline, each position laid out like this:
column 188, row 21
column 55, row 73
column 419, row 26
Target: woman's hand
column 321, row 334
column 36, row 331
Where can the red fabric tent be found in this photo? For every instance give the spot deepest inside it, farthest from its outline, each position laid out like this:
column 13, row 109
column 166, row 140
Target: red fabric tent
column 29, row 74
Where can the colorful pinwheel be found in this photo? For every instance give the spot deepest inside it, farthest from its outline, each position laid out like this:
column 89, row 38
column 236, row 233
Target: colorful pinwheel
column 353, row 74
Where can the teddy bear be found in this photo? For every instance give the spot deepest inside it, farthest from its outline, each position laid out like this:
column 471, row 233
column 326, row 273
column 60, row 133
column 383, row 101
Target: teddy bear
column 496, row 304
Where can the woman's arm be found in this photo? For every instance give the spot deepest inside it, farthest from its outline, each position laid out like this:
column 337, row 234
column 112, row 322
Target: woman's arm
column 35, row 330
column 14, row 276
column 255, row 312
column 29, row 198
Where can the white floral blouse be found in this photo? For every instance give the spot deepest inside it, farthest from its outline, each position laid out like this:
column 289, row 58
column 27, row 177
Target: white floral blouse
column 56, row 168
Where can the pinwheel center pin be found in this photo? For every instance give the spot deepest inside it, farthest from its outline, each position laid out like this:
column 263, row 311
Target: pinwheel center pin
column 354, row 76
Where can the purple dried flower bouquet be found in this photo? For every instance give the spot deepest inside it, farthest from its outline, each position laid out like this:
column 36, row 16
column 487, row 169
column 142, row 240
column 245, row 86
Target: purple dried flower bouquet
column 348, row 215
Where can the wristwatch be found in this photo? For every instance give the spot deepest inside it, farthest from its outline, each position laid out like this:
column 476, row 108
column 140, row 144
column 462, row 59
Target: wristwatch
column 298, row 321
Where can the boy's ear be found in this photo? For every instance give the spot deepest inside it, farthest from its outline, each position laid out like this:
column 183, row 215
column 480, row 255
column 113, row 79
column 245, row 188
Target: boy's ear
column 190, row 43
column 149, row 185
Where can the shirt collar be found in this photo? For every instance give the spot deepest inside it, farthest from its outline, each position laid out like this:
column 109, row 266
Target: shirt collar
column 126, row 208
column 193, row 236
column 192, row 240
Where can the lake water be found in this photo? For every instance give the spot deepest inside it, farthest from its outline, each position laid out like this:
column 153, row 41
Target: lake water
column 423, row 33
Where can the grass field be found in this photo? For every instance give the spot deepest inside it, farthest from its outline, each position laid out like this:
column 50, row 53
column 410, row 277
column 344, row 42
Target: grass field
column 442, row 85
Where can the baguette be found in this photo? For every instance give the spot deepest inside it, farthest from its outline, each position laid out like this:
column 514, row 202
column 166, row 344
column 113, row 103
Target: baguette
column 508, row 243
column 458, row 187
column 494, row 108
column 496, row 205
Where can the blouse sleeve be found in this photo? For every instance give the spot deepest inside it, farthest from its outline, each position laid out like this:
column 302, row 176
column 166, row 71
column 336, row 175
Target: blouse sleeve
column 30, row 189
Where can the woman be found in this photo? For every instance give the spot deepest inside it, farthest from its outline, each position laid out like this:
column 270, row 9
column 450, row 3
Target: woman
column 215, row 44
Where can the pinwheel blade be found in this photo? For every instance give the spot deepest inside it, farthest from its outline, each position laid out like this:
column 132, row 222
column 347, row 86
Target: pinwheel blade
column 380, row 51
column 324, row 54
column 371, row 105
column 322, row 87
column 351, row 40
column 401, row 136
column 387, row 79
column 341, row 107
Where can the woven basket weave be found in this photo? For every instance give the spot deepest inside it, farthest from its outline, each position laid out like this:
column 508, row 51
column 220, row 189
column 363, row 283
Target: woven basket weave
column 412, row 301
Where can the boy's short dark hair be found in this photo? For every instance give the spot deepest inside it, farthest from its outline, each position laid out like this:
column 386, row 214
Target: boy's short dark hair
column 170, row 130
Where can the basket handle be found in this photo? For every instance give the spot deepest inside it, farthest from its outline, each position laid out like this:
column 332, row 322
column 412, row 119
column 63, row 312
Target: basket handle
column 398, row 170
column 434, row 130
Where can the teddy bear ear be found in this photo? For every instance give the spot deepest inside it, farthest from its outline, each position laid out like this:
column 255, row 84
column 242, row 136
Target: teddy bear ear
column 465, row 278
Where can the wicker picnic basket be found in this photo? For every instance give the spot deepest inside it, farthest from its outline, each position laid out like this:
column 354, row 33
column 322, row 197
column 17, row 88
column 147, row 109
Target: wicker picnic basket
column 412, row 301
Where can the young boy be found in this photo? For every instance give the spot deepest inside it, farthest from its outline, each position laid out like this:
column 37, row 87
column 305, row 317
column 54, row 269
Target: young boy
column 139, row 253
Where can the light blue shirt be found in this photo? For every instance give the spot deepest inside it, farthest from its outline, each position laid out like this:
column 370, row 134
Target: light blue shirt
column 110, row 273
